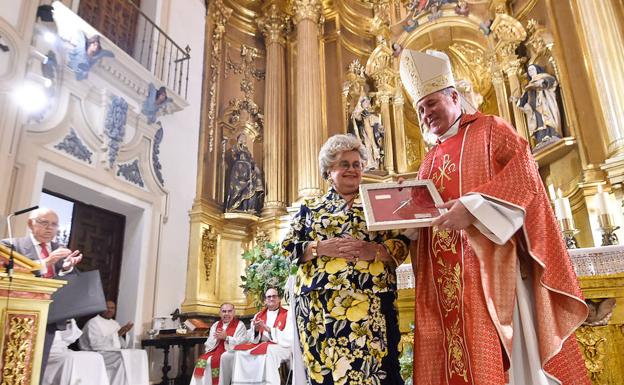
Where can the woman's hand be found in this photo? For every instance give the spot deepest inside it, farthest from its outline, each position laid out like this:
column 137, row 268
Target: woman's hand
column 356, row 250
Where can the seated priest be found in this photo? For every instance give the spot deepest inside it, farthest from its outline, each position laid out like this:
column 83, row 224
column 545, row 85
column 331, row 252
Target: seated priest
column 270, row 338
column 223, row 336
column 104, row 335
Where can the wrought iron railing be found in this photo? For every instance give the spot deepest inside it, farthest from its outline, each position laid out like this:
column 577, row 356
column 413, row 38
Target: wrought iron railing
column 156, row 51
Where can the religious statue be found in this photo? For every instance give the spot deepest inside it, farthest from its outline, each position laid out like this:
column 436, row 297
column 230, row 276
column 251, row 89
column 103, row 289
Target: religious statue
column 86, row 54
column 156, row 99
column 245, row 187
column 368, row 129
column 539, row 103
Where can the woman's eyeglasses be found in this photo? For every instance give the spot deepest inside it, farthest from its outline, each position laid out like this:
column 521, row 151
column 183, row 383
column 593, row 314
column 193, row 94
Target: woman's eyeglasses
column 344, row 165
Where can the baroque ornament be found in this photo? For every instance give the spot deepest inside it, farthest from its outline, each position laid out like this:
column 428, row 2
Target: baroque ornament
column 220, row 16
column 158, row 136
column 508, row 33
column 115, row 126
column 250, row 74
column 72, row 145
column 593, row 342
column 209, row 248
column 131, row 173
column 18, row 348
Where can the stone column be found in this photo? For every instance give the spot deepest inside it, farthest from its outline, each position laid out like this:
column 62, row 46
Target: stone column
column 274, row 25
column 309, row 129
column 604, row 39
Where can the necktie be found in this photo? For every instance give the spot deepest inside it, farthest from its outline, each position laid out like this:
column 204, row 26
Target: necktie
column 44, row 254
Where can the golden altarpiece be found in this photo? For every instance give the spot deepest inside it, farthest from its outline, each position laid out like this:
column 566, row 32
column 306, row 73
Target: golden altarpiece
column 282, row 76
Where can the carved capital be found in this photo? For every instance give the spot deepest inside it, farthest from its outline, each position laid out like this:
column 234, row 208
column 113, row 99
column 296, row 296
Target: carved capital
column 274, row 25
column 307, row 10
column 220, row 16
column 507, row 33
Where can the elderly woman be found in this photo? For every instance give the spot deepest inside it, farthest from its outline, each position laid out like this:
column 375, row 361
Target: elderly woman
column 346, row 283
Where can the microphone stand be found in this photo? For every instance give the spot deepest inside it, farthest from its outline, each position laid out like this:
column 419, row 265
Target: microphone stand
column 10, row 265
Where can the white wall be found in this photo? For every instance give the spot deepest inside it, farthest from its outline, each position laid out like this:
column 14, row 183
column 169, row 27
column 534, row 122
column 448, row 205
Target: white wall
column 179, row 157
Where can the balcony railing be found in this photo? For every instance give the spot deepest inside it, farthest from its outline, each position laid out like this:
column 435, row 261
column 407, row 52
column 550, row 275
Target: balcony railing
column 145, row 42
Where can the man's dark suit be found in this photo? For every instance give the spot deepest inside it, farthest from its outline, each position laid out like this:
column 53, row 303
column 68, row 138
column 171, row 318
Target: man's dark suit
column 25, row 246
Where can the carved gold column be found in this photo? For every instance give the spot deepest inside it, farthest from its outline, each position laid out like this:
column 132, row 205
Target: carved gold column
column 399, row 132
column 309, row 129
column 208, row 185
column 604, row 39
column 379, row 68
column 498, row 81
column 386, row 120
column 514, row 68
column 274, row 25
column 507, row 34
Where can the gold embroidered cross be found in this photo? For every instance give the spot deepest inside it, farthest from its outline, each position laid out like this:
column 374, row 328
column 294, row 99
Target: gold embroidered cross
column 445, row 170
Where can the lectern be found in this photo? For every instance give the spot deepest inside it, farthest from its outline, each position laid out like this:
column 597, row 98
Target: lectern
column 24, row 301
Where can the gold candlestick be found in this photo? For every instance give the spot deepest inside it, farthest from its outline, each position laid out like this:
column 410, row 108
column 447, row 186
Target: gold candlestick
column 568, row 231
column 607, row 228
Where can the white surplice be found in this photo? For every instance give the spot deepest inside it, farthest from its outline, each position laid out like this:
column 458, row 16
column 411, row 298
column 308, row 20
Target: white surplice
column 124, row 366
column 240, row 367
column 240, row 336
column 67, row 367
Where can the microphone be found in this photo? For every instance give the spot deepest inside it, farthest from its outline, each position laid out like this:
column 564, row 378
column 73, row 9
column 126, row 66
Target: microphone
column 9, row 266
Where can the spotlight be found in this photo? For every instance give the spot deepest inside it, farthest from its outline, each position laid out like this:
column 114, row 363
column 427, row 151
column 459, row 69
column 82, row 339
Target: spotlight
column 31, row 97
column 49, row 37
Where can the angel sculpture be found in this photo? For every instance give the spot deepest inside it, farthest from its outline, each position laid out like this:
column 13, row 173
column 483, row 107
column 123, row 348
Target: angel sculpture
column 156, row 99
column 600, row 311
column 86, row 54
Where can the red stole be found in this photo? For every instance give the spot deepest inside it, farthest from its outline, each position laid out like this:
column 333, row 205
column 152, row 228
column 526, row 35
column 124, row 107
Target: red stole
column 261, row 348
column 200, row 366
column 446, row 261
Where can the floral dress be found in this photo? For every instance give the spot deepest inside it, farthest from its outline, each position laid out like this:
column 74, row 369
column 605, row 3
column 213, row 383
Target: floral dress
column 345, row 312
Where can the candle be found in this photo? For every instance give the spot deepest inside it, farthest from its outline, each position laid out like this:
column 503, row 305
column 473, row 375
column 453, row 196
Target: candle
column 551, row 192
column 603, row 206
column 562, row 207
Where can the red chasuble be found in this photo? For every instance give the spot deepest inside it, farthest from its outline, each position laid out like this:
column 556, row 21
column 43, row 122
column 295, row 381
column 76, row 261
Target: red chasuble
column 261, row 348
column 465, row 284
column 215, row 354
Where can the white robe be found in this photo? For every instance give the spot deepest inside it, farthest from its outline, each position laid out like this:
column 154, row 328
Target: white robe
column 240, row 336
column 67, row 367
column 124, row 366
column 240, row 367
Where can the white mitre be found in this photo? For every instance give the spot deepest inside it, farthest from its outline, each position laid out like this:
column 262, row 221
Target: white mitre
column 425, row 73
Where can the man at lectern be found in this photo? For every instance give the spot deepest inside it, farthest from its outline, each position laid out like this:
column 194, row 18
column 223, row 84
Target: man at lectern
column 55, row 260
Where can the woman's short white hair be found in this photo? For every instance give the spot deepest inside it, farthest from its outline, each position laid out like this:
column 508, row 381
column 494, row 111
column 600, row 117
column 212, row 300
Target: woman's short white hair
column 336, row 145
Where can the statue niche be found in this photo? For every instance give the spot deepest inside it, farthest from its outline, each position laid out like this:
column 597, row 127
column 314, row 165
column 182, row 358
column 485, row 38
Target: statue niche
column 367, row 127
column 245, row 185
column 539, row 104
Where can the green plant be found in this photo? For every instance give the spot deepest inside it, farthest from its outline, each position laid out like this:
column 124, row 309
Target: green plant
column 266, row 268
column 406, row 360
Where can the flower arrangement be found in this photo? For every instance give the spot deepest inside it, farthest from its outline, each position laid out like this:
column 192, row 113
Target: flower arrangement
column 266, row 268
